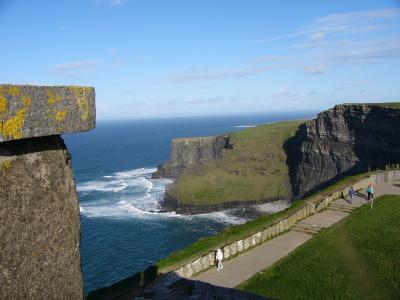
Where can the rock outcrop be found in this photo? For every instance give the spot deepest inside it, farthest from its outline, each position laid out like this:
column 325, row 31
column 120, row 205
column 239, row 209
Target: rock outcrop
column 39, row 210
column 344, row 140
column 187, row 151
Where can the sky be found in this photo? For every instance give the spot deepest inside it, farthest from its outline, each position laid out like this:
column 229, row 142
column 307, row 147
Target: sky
column 150, row 58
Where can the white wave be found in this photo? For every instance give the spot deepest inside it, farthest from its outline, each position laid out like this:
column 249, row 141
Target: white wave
column 223, row 217
column 130, row 193
column 246, row 126
column 273, row 207
column 135, row 173
column 120, row 181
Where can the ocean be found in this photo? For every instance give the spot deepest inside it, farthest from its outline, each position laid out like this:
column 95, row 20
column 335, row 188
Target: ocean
column 121, row 231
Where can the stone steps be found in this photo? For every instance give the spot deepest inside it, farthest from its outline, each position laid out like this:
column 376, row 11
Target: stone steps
column 299, row 227
column 341, row 207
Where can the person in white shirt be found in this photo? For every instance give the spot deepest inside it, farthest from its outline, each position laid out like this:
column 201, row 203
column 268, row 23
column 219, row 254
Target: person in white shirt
column 218, row 257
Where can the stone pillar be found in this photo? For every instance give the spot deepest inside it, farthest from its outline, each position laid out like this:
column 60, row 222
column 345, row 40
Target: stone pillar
column 39, row 209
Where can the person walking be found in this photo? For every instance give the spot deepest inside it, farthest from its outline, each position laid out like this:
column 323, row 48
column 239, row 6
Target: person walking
column 218, row 257
column 370, row 192
column 351, row 194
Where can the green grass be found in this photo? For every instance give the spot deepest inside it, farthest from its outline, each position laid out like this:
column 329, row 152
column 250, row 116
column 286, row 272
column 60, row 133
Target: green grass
column 255, row 169
column 358, row 258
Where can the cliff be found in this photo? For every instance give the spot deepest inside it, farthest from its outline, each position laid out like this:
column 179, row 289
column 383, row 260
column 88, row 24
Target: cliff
column 216, row 173
column 188, row 151
column 344, row 140
column 39, row 210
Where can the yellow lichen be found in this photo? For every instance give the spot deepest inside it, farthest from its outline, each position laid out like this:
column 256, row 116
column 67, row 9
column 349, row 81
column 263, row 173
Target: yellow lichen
column 60, row 115
column 52, row 98
column 14, row 91
column 12, row 128
column 82, row 94
column 26, row 100
column 5, row 165
column 3, row 104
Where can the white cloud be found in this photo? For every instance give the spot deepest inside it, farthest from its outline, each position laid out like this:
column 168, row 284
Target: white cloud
column 214, row 74
column 362, row 21
column 118, row 2
column 357, row 17
column 317, row 37
column 315, row 70
column 75, row 69
column 211, row 100
column 284, row 92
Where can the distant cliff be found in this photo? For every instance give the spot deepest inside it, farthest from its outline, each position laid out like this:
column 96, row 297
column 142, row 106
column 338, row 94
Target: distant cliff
column 216, row 173
column 188, row 151
column 344, row 140
column 39, row 209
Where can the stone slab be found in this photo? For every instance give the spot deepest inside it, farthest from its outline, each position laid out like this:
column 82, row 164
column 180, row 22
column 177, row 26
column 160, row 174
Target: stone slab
column 28, row 111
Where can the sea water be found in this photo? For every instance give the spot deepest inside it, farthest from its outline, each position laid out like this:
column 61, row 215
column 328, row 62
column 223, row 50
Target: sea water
column 122, row 233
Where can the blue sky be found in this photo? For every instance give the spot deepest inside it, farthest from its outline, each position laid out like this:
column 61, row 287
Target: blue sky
column 180, row 58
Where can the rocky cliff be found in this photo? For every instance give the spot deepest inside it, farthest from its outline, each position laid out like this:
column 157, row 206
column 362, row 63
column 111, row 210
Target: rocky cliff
column 39, row 210
column 216, row 173
column 344, row 140
column 187, row 151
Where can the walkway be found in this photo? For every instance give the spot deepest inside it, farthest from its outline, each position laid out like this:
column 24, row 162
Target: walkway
column 263, row 256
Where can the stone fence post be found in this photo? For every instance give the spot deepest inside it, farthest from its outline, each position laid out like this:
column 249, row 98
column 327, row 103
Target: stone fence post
column 39, row 209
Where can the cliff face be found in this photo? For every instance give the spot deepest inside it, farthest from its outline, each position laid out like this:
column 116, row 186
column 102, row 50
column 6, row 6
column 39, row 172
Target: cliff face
column 345, row 140
column 39, row 210
column 187, row 151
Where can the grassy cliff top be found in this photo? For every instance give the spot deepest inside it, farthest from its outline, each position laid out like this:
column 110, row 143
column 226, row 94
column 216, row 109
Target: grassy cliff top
column 383, row 104
column 357, row 258
column 255, row 169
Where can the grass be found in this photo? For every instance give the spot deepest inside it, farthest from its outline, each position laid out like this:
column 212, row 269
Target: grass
column 357, row 258
column 255, row 169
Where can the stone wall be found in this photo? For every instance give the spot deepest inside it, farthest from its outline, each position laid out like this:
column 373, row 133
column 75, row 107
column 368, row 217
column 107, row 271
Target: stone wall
column 280, row 226
column 39, row 209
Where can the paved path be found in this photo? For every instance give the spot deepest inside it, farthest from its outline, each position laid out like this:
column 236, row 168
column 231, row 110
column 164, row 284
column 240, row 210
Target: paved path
column 263, row 256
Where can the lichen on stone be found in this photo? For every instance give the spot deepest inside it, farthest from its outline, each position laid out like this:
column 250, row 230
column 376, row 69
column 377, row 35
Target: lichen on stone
column 3, row 104
column 26, row 100
column 52, row 98
column 6, row 165
column 13, row 126
column 60, row 114
column 14, row 91
column 82, row 95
